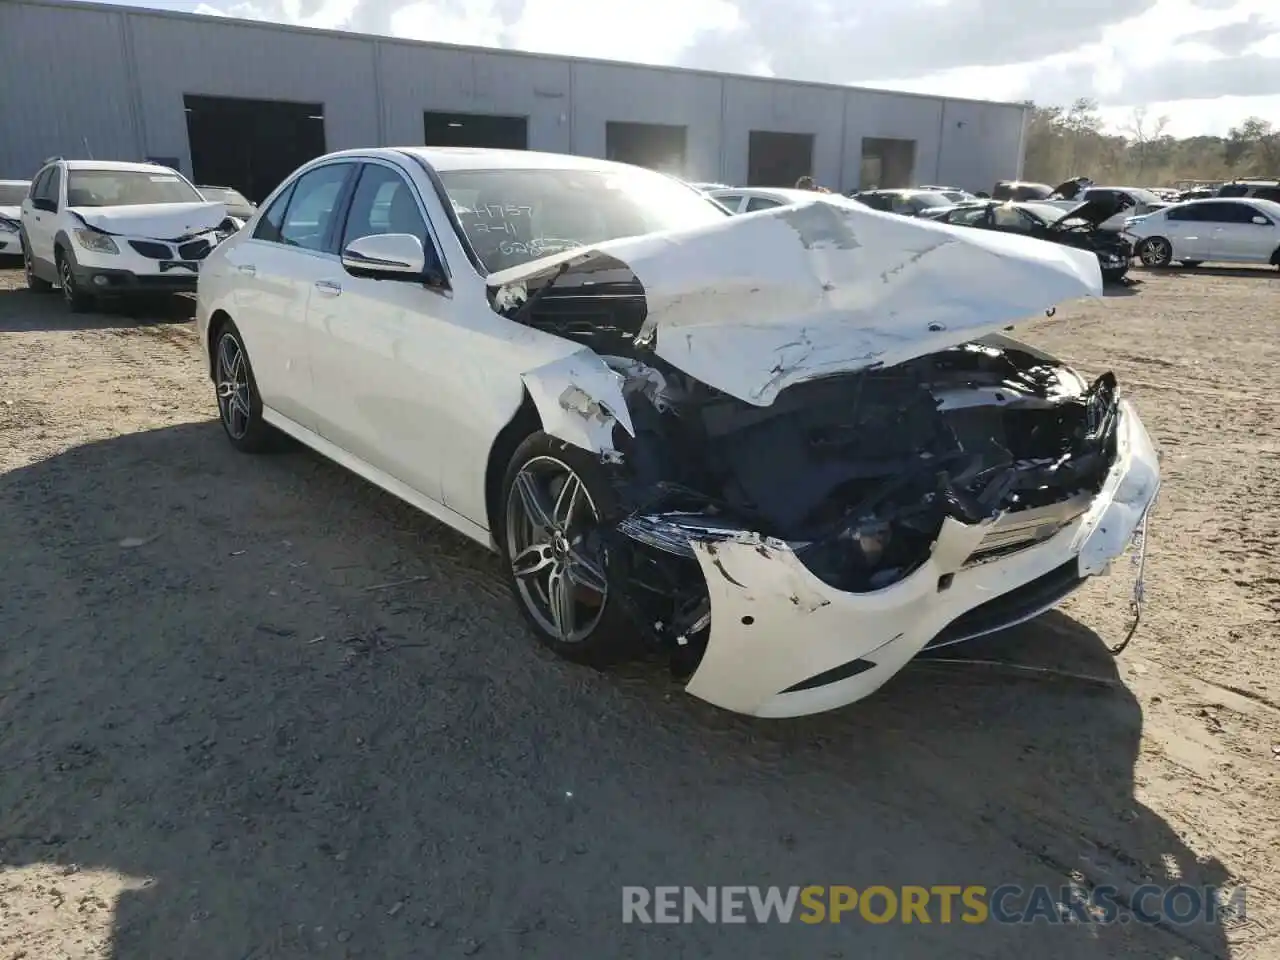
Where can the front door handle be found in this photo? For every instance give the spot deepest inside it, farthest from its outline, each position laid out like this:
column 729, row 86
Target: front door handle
column 328, row 287
column 248, row 269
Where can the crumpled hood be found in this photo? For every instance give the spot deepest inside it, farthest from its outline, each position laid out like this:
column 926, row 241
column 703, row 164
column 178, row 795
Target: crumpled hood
column 11, row 213
column 159, row 221
column 755, row 303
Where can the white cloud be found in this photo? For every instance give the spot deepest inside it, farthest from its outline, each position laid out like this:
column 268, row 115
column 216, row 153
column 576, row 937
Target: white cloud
column 1205, row 63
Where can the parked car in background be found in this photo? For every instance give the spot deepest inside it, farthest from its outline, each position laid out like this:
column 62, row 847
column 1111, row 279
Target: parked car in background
column 750, row 199
column 97, row 228
column 1128, row 202
column 1020, row 190
column 1252, row 188
column 785, row 450
column 907, row 203
column 12, row 193
column 954, row 194
column 239, row 207
column 1227, row 230
column 1074, row 228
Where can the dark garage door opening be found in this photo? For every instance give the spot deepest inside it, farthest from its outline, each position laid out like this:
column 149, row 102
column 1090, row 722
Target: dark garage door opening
column 658, row 146
column 778, row 159
column 251, row 145
column 887, row 163
column 475, row 130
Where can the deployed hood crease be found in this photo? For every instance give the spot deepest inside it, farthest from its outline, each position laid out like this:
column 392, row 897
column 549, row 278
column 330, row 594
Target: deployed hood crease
column 755, row 303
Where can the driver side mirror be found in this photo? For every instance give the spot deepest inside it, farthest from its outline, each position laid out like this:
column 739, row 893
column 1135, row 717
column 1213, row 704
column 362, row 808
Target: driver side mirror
column 386, row 256
column 1261, row 221
column 40, row 203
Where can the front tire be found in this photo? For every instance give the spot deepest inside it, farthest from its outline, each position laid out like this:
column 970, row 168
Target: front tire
column 1155, row 252
column 34, row 284
column 77, row 300
column 239, row 404
column 555, row 500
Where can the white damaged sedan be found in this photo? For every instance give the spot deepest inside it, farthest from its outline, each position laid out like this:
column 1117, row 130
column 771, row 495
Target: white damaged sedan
column 789, row 449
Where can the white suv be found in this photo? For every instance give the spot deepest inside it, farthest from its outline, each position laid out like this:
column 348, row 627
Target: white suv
column 105, row 229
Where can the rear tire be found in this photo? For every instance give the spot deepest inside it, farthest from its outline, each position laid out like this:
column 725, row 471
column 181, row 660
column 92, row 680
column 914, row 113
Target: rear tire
column 236, row 390
column 555, row 497
column 77, row 300
column 1155, row 252
column 34, row 284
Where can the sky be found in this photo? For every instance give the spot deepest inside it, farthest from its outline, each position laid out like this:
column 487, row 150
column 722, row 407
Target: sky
column 1204, row 65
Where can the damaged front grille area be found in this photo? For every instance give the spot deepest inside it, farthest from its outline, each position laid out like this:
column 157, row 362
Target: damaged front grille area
column 855, row 473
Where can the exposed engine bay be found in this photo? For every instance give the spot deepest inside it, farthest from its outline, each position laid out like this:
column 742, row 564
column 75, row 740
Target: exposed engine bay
column 855, row 472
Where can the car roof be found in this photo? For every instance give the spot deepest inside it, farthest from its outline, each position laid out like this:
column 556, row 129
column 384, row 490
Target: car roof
column 124, row 165
column 481, row 158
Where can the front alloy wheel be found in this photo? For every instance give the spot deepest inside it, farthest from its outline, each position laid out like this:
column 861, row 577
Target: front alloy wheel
column 555, row 503
column 1155, row 252
column 76, row 300
column 556, row 560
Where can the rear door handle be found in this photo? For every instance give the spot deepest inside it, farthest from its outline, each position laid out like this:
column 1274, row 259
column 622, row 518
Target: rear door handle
column 328, row 287
column 248, row 269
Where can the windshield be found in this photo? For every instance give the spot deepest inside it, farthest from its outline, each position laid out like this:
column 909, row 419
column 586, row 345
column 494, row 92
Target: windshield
column 226, row 195
column 12, row 194
column 124, row 188
column 513, row 216
column 926, row 199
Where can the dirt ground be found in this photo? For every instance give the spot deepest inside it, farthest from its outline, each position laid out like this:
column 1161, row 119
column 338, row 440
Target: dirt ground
column 254, row 708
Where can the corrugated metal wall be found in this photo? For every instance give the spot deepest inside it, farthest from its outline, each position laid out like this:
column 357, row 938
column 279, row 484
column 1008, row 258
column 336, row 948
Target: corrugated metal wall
column 117, row 93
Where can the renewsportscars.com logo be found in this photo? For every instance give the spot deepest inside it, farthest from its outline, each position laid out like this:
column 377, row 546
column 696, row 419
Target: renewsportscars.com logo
column 1009, row 903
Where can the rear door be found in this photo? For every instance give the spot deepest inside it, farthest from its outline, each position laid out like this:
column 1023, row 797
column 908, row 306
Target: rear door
column 41, row 225
column 279, row 267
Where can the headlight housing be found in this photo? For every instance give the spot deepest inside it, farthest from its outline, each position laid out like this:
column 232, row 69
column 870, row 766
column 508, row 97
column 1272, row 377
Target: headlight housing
column 95, row 241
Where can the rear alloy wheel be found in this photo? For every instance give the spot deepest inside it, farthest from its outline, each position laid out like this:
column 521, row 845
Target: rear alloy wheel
column 34, row 284
column 77, row 300
column 554, row 501
column 239, row 406
column 1155, row 252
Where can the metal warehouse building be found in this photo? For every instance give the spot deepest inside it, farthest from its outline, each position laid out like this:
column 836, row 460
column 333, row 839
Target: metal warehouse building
column 242, row 103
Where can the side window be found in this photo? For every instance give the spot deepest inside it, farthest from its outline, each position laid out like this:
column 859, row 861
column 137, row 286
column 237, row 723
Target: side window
column 311, row 206
column 975, row 217
column 1248, row 212
column 731, row 200
column 1011, row 218
column 36, row 191
column 1268, row 193
column 269, row 226
column 761, row 203
column 1223, row 213
column 383, row 203
column 53, row 188
column 1190, row 213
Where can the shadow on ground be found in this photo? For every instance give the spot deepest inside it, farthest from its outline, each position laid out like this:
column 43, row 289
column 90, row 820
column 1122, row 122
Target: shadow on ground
column 22, row 311
column 307, row 722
